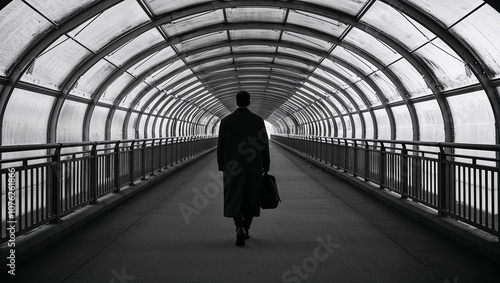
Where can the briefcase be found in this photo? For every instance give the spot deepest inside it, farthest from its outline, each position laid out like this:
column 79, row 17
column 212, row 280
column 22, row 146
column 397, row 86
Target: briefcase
column 269, row 195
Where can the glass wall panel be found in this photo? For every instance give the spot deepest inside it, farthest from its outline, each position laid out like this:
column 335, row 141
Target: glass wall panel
column 255, row 14
column 102, row 29
column 149, row 62
column 400, row 27
column 151, row 103
column 354, row 59
column 430, row 121
column 404, row 129
column 358, row 129
column 70, row 123
column 446, row 65
column 208, row 54
column 473, row 118
column 161, row 7
column 299, row 53
column 26, row 118
column 91, row 80
column 171, row 68
column 372, row 45
column 447, row 12
column 383, row 124
column 59, row 10
column 305, row 40
column 29, row 27
column 144, row 100
column 149, row 126
column 355, row 96
column 410, row 78
column 98, row 124
column 350, row 7
column 142, row 126
column 193, row 22
column 348, row 126
column 389, row 90
column 369, row 93
column 115, row 88
column 369, row 133
column 132, row 132
column 481, row 32
column 117, row 125
column 318, row 22
column 51, row 68
column 201, row 41
column 340, row 127
column 139, row 44
column 127, row 100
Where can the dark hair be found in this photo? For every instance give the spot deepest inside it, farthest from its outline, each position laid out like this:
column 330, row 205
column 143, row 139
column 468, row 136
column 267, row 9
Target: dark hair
column 243, row 99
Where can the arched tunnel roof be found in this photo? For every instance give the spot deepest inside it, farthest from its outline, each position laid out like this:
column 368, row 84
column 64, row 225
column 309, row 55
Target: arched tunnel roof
column 380, row 69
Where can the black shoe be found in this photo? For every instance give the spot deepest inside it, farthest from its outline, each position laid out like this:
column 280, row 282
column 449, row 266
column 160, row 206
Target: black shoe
column 240, row 237
column 247, row 235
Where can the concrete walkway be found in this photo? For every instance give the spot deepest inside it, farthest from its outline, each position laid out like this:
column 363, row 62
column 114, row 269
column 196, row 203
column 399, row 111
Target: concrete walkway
column 323, row 231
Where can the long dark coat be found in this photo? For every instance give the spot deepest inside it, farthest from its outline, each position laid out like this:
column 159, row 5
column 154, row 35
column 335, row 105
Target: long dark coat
column 242, row 154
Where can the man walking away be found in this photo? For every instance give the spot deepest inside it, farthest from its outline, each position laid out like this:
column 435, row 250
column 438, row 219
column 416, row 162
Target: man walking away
column 242, row 155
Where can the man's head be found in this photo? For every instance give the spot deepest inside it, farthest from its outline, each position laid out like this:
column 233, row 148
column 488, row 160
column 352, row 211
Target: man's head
column 243, row 99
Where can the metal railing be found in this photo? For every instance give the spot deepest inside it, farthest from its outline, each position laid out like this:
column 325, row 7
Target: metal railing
column 457, row 180
column 42, row 183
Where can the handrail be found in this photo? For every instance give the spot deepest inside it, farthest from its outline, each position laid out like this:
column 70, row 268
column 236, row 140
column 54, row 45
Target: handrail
column 460, row 184
column 43, row 188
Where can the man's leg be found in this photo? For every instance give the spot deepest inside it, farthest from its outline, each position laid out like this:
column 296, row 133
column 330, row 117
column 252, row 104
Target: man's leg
column 247, row 223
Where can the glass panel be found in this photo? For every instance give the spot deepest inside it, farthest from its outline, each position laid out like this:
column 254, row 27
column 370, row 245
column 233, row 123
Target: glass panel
column 398, row 26
column 358, row 129
column 354, row 60
column 161, row 7
column 21, row 27
column 335, row 101
column 473, row 118
column 340, row 127
column 139, row 44
column 348, row 126
column 109, row 25
column 91, row 80
column 255, row 14
column 404, row 129
column 164, row 71
column 59, row 10
column 157, row 123
column 383, row 124
column 149, row 127
column 70, row 123
column 26, row 118
column 193, row 22
column 145, row 99
column 369, row 93
column 260, row 34
column 292, row 63
column 201, row 41
column 151, row 104
column 151, row 61
column 116, row 88
column 200, row 67
column 208, row 54
column 371, row 45
column 446, row 11
column 410, row 78
column 127, row 100
column 303, row 39
column 430, row 121
column 142, row 127
column 172, row 83
column 369, row 130
column 483, row 36
column 51, row 68
column 389, row 90
column 350, row 7
column 117, row 125
column 354, row 95
column 446, row 65
column 132, row 133
column 318, row 22
column 254, row 48
column 98, row 124
column 300, row 54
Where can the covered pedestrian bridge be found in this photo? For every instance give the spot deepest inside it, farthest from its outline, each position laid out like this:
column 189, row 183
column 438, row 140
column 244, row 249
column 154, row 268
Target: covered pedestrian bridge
column 103, row 100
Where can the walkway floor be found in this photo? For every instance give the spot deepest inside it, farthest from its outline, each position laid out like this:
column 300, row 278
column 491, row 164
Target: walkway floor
column 323, row 231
